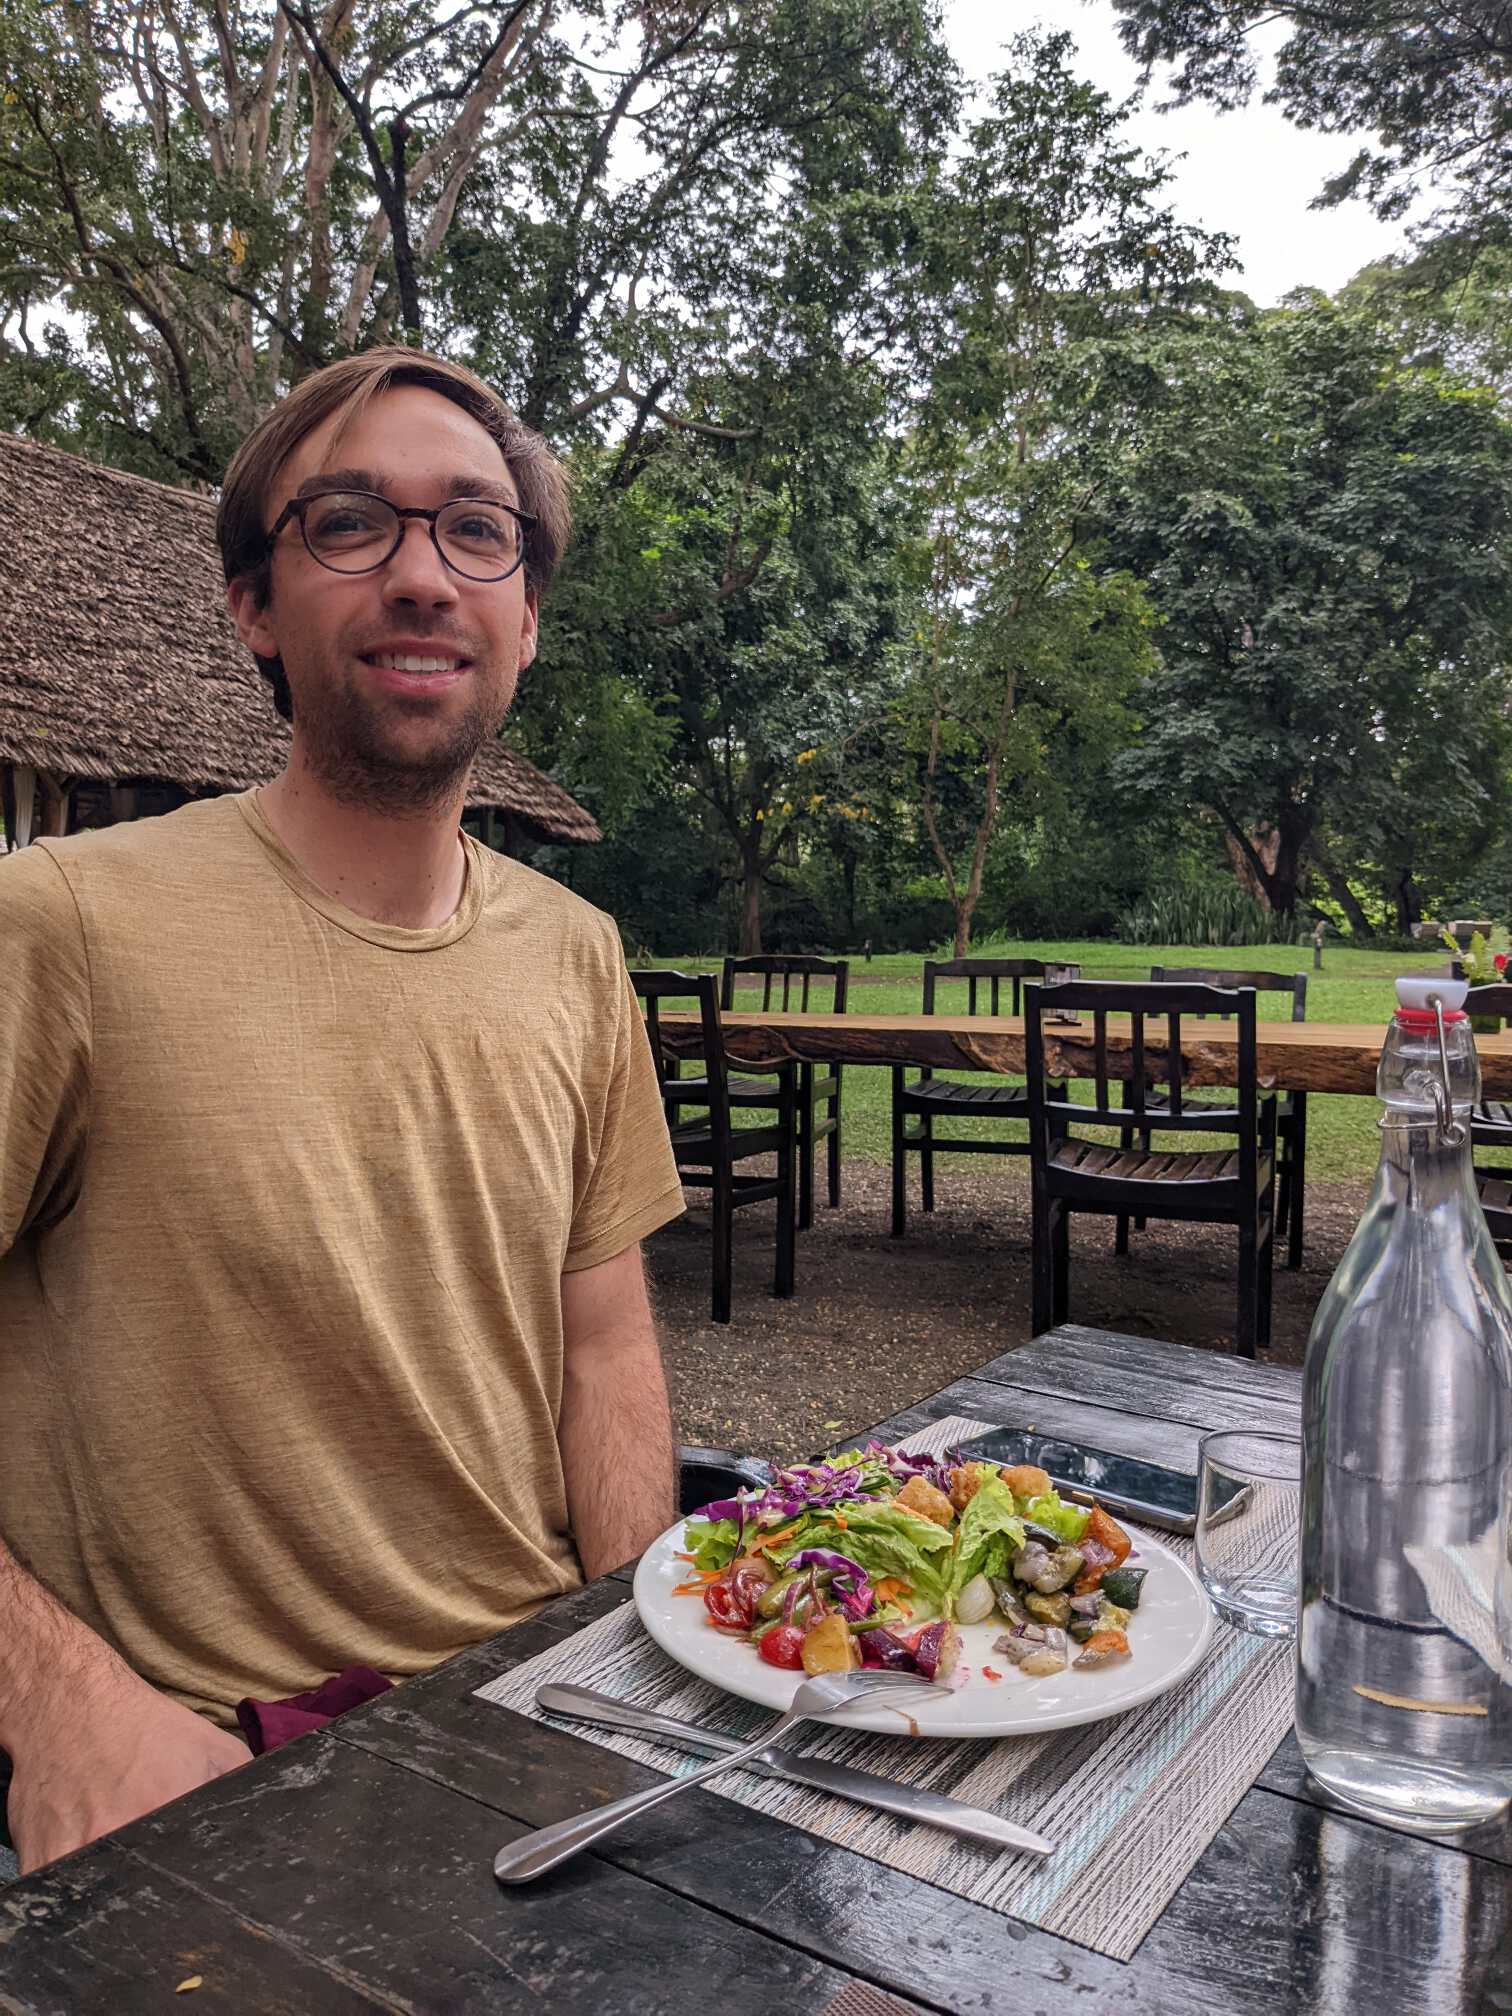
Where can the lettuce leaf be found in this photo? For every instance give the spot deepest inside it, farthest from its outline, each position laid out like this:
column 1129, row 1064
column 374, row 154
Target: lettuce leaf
column 1066, row 1522
column 884, row 1541
column 989, row 1533
column 711, row 1542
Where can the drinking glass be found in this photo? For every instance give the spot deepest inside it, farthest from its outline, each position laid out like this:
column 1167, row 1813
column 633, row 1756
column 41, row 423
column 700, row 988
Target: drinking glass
column 1249, row 1507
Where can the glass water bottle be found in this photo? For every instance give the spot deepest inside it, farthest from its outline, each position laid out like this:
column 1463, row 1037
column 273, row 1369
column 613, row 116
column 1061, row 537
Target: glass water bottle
column 1404, row 1676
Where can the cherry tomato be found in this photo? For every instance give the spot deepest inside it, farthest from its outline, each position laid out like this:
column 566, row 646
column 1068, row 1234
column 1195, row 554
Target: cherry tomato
column 782, row 1646
column 725, row 1605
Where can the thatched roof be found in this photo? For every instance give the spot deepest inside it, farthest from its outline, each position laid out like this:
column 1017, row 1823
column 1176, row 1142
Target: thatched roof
column 119, row 660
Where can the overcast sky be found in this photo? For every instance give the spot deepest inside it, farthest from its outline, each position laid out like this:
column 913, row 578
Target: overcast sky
column 1246, row 172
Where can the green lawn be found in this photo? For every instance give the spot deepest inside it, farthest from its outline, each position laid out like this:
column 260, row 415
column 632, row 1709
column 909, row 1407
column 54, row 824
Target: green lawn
column 1354, row 986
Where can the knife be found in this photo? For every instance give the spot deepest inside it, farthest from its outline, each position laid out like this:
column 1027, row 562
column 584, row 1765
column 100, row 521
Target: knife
column 909, row 1802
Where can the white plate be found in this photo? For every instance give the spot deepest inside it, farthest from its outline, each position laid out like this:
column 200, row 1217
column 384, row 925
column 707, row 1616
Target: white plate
column 1168, row 1635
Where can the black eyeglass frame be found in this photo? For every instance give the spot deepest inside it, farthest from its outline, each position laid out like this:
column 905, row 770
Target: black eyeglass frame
column 298, row 506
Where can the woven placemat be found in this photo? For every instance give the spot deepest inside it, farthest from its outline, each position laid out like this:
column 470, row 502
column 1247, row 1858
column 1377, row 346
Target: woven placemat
column 1131, row 1802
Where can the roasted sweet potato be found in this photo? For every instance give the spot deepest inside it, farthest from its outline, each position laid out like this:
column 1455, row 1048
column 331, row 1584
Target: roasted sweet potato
column 1103, row 1546
column 1102, row 1648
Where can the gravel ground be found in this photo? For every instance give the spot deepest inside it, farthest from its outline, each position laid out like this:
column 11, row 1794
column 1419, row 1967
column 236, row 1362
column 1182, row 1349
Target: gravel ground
column 878, row 1323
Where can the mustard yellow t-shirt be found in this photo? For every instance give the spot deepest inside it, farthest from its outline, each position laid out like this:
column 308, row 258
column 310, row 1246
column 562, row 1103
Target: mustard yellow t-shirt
column 286, row 1197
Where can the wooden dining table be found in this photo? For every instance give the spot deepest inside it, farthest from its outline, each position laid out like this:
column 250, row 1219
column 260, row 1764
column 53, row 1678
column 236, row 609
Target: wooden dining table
column 1290, row 1056
column 352, row 1870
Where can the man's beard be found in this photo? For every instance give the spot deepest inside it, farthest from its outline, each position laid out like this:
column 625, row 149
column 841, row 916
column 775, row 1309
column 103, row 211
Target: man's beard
column 347, row 743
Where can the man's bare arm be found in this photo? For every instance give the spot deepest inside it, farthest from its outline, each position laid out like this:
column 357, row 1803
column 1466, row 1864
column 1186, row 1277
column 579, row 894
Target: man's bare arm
column 91, row 1744
column 616, row 1426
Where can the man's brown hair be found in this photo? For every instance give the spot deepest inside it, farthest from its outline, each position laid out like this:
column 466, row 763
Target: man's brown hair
column 347, row 388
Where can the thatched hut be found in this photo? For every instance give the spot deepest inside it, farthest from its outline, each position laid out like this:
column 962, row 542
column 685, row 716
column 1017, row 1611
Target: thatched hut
column 124, row 689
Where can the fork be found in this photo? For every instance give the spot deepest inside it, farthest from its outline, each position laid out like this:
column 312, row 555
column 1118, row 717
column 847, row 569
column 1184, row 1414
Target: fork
column 533, row 1854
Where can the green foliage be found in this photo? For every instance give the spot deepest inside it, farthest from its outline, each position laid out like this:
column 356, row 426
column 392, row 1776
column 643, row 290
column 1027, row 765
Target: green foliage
column 1052, row 247
column 594, row 208
column 950, row 548
column 1443, row 316
column 1325, row 532
column 1427, row 86
column 1211, row 915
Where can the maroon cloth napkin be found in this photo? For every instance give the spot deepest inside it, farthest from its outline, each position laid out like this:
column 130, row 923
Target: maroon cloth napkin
column 266, row 1724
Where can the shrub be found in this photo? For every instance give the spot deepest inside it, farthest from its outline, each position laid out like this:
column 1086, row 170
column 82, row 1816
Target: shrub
column 1206, row 914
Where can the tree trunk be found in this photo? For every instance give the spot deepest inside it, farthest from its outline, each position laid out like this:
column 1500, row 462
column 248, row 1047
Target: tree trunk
column 1342, row 894
column 750, row 908
column 1277, row 872
column 964, row 909
column 404, row 256
column 1349, row 903
column 1265, row 840
column 1286, row 874
column 1404, row 897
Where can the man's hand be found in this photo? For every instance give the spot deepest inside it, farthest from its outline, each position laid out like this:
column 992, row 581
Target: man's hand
column 115, row 1759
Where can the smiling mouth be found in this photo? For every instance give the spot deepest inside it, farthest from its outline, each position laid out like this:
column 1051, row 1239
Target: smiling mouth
column 409, row 661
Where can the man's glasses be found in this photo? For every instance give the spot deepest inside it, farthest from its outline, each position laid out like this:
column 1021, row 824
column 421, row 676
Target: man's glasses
column 357, row 532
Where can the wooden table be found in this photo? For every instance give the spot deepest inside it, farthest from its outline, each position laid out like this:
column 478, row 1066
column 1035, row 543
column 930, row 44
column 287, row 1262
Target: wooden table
column 1291, row 1056
column 352, row 1869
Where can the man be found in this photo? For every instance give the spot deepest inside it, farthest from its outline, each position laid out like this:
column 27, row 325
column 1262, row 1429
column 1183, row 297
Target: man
column 327, row 1141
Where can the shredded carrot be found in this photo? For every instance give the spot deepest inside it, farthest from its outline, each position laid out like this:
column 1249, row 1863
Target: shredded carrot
column 888, row 1587
column 991, row 1673
column 840, row 1521
column 689, row 1589
column 685, row 1557
column 773, row 1539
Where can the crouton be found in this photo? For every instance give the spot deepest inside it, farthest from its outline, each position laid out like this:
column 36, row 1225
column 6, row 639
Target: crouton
column 965, row 1484
column 919, row 1495
column 1027, row 1480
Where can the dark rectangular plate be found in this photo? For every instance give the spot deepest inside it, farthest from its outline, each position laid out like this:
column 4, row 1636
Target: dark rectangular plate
column 1147, row 1492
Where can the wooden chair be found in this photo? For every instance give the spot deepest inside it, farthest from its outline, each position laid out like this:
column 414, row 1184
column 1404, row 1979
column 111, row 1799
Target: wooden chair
column 1291, row 1113
column 928, row 1099
column 813, row 1093
column 1491, row 1122
column 1495, row 1194
column 1069, row 1173
column 709, row 1149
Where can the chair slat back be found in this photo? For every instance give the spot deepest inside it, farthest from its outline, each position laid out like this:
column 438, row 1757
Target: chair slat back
column 789, row 968
column 979, row 999
column 1493, row 999
column 1294, row 984
column 656, row 986
column 974, row 972
column 1157, row 1002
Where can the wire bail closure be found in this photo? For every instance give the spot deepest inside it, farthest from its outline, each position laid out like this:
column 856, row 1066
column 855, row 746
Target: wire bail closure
column 1450, row 1131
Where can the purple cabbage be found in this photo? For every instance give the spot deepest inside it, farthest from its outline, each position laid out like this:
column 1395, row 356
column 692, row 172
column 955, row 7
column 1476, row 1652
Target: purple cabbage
column 815, row 1487
column 851, row 1582
column 804, row 1488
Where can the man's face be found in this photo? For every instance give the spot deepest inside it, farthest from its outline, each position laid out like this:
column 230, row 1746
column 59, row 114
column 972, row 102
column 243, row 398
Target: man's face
column 376, row 733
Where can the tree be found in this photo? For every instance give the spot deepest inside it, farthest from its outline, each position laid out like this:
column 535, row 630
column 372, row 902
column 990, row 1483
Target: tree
column 761, row 612
column 228, row 193
column 1324, row 531
column 1053, row 247
column 1431, row 82
column 1464, row 326
column 735, row 572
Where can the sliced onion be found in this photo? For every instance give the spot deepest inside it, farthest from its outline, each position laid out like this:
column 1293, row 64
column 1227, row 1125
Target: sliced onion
column 976, row 1601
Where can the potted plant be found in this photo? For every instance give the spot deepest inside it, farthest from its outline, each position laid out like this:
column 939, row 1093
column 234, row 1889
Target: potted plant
column 1481, row 962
